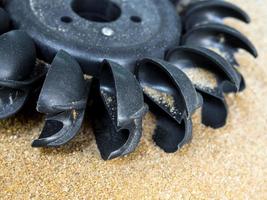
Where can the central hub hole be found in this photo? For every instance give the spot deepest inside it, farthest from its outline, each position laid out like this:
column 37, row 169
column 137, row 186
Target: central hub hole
column 97, row 10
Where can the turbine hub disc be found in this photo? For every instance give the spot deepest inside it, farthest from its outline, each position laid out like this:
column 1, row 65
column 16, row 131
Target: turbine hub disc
column 93, row 30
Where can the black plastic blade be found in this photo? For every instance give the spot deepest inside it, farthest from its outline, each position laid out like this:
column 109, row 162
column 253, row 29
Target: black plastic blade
column 205, row 68
column 63, row 98
column 11, row 101
column 4, row 21
column 215, row 11
column 17, row 71
column 172, row 97
column 223, row 40
column 229, row 87
column 211, row 75
column 170, row 135
column 214, row 109
column 167, row 139
column 220, row 38
column 119, row 109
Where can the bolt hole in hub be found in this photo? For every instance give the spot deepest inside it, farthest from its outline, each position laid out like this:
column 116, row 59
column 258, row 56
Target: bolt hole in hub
column 97, row 10
column 66, row 19
column 136, row 19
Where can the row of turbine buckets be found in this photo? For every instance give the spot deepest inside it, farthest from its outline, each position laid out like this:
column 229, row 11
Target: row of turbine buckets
column 195, row 72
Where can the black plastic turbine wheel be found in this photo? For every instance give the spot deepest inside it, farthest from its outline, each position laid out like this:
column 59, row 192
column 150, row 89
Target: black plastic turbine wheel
column 125, row 57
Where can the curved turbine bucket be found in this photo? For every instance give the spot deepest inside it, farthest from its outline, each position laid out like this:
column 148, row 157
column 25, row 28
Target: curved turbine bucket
column 18, row 74
column 207, row 12
column 119, row 111
column 63, row 99
column 209, row 72
column 222, row 39
column 172, row 98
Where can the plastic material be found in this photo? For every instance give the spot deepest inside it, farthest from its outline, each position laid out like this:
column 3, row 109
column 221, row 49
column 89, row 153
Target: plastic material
column 133, row 52
column 63, row 99
column 56, row 25
column 119, row 108
column 4, row 21
column 209, row 72
column 214, row 11
column 173, row 98
column 18, row 74
column 211, row 13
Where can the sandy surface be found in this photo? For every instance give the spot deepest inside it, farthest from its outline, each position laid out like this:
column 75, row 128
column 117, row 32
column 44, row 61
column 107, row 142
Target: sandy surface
column 229, row 163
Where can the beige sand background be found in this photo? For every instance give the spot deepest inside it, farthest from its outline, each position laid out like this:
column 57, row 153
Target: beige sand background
column 229, row 163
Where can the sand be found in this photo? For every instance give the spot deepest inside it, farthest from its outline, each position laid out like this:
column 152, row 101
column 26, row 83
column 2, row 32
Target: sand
column 228, row 163
column 201, row 77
